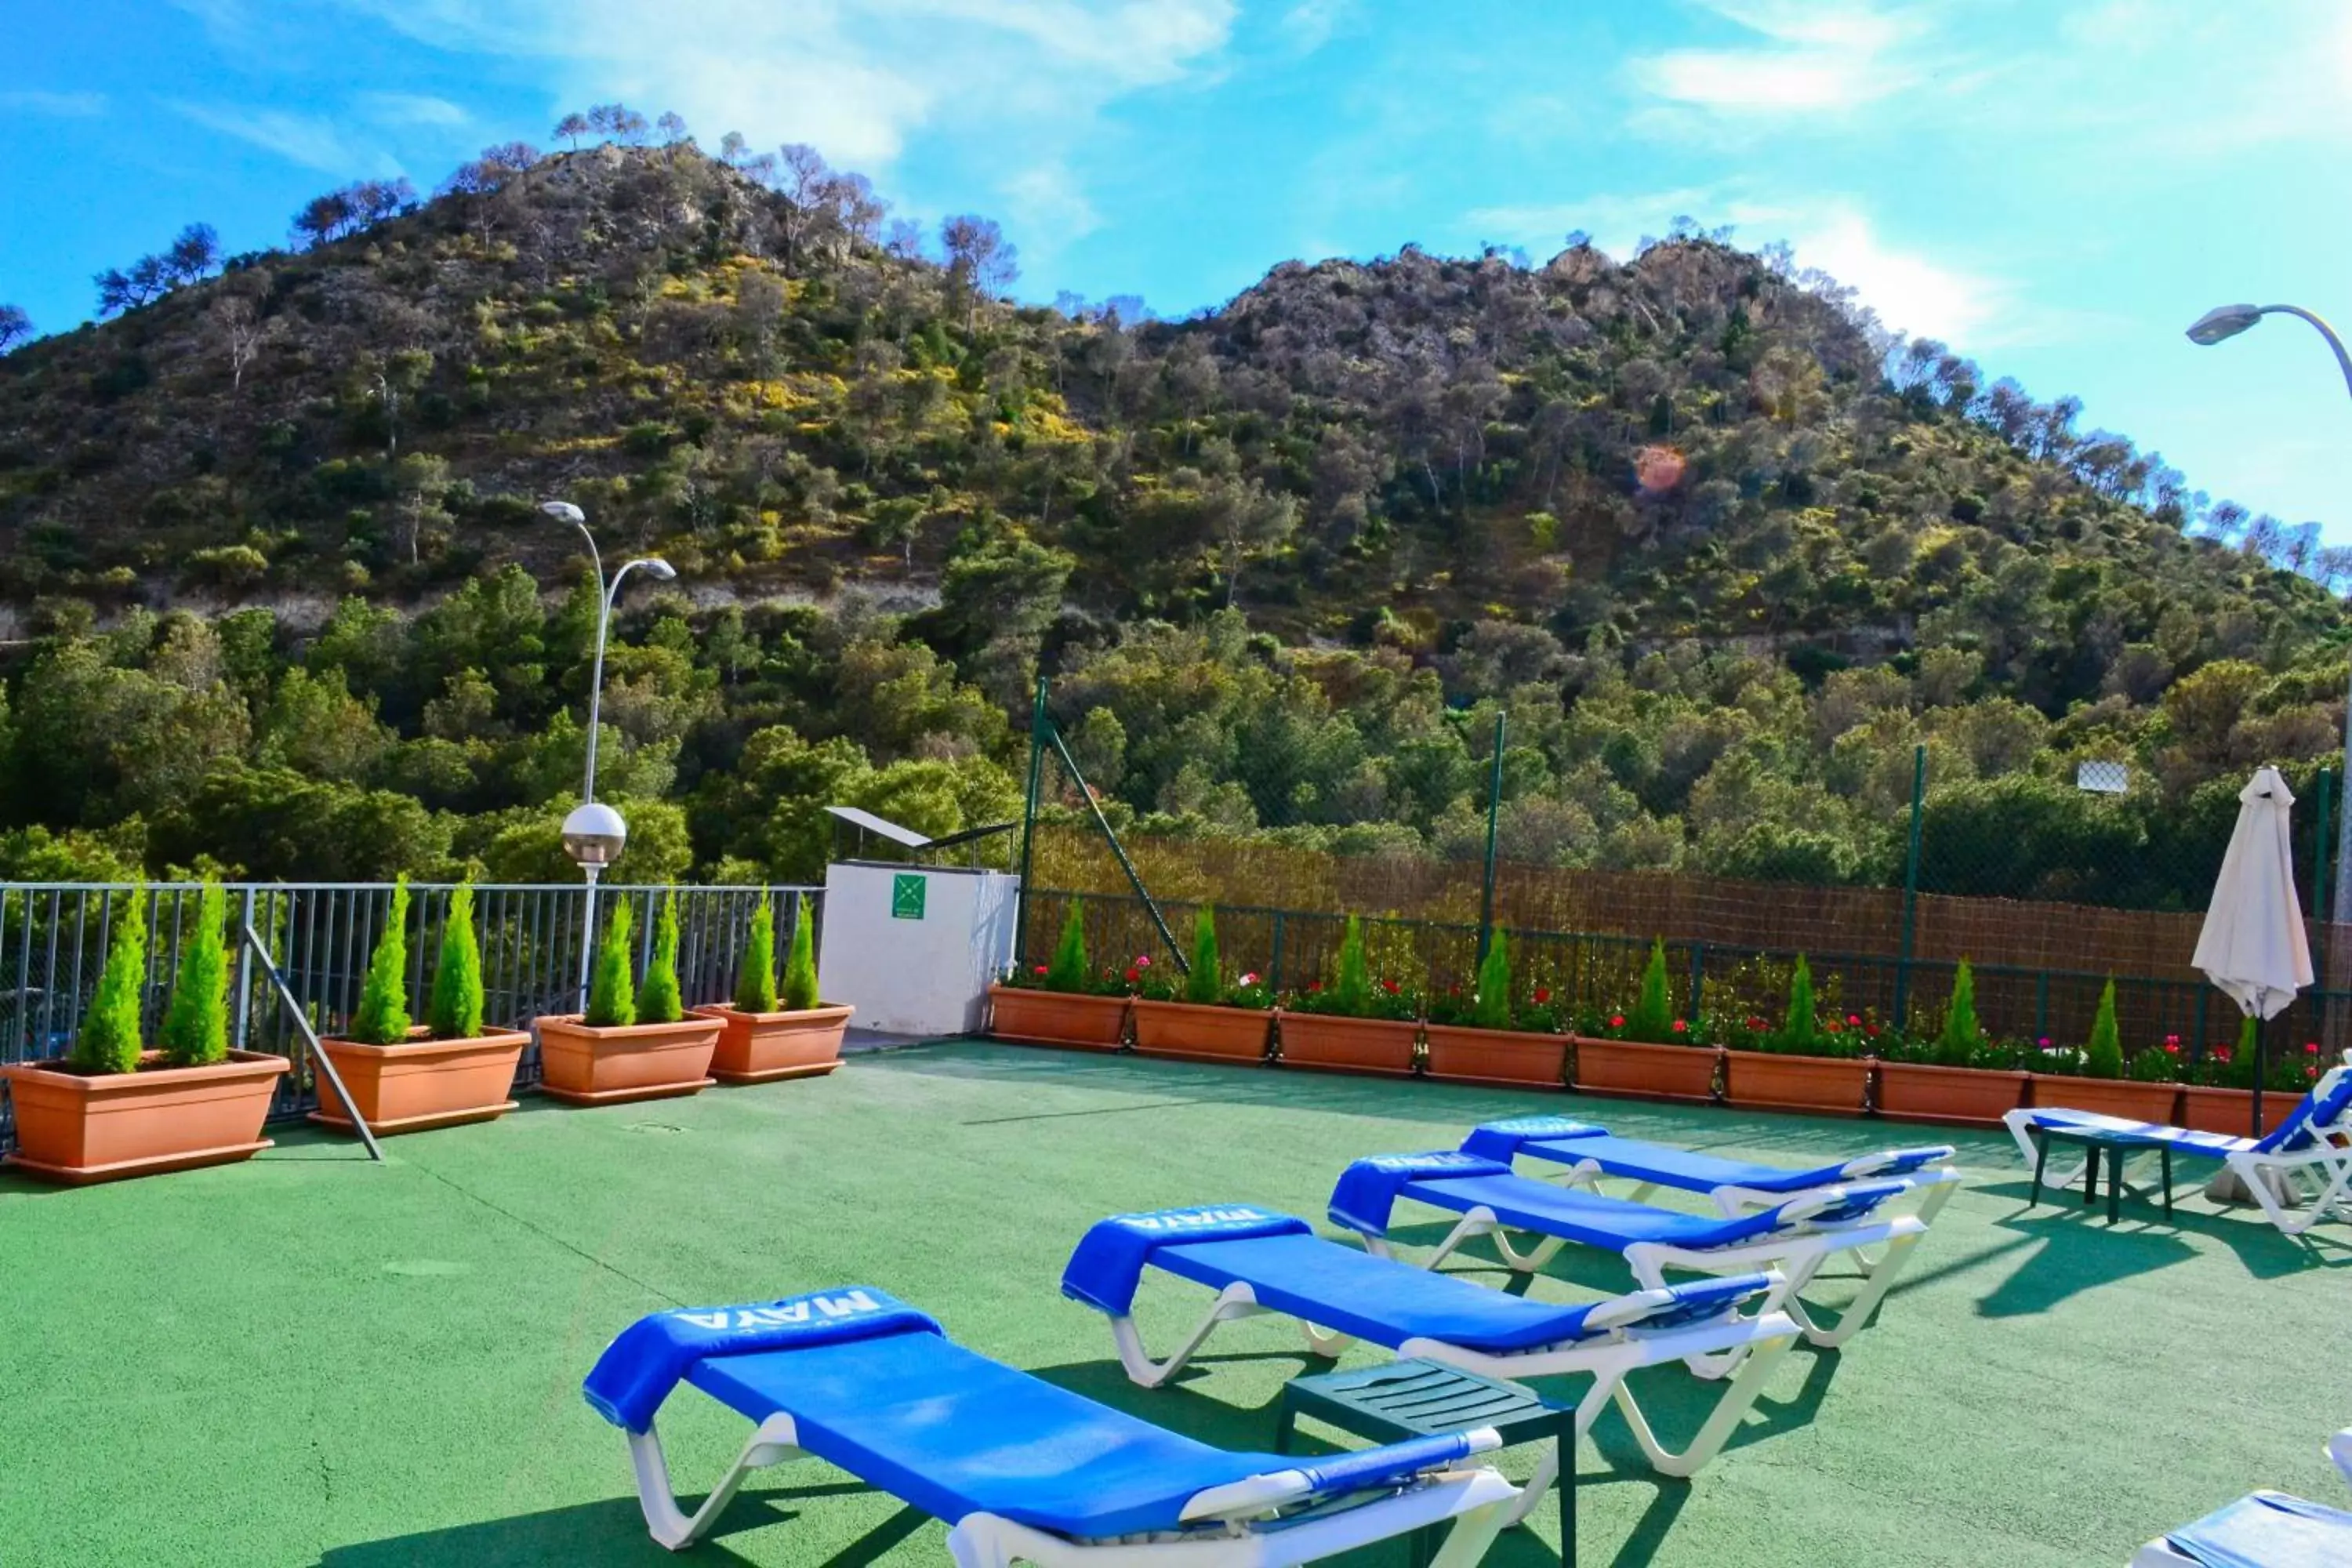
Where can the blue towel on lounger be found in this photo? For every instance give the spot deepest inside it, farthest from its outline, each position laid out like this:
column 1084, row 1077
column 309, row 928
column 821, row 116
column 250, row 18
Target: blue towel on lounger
column 640, row 1367
column 1501, row 1140
column 1111, row 1257
column 1368, row 1189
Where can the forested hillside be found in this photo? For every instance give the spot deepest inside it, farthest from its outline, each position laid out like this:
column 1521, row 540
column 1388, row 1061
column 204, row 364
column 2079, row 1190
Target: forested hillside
column 285, row 602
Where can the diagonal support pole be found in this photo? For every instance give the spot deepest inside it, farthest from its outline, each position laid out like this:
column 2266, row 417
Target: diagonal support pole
column 318, row 1059
column 1054, row 733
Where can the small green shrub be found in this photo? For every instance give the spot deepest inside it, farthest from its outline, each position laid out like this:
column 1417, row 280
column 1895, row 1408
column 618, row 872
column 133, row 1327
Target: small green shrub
column 1067, row 970
column 108, row 1041
column 454, row 1011
column 1957, row 1043
column 1491, row 1009
column 2154, row 1065
column 755, row 982
column 658, row 1000
column 196, row 1029
column 382, row 1017
column 2103, row 1057
column 1653, row 1017
column 1205, row 982
column 1351, row 983
column 800, row 969
column 611, row 999
column 1800, row 1030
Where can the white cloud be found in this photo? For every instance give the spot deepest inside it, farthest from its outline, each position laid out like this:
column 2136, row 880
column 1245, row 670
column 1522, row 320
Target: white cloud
column 1815, row 55
column 64, row 105
column 1049, row 206
column 411, row 109
column 1310, row 24
column 304, row 139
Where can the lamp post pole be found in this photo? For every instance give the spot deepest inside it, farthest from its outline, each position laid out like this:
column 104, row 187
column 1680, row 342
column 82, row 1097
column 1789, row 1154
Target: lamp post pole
column 594, row 833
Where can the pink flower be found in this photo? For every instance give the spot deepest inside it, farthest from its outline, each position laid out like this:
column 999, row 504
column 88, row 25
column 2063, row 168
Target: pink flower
column 1681, row 1027
column 1853, row 1017
column 1142, row 961
column 1249, row 979
column 2311, row 1050
column 2043, row 1042
column 2172, row 1040
column 1617, row 1020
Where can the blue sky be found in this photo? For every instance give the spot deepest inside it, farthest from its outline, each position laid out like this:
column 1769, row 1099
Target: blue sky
column 2057, row 187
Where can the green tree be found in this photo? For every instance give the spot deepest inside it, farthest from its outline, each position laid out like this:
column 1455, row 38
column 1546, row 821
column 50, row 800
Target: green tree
column 109, row 1039
column 382, row 1017
column 755, row 979
column 195, row 1029
column 1800, row 1029
column 1205, row 984
column 800, row 969
column 658, row 1000
column 1956, row 1041
column 456, row 1009
column 612, row 997
column 1066, row 971
column 2103, row 1057
column 1653, row 1017
column 1492, row 1008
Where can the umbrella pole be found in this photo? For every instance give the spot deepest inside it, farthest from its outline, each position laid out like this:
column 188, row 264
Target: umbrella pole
column 2262, row 1066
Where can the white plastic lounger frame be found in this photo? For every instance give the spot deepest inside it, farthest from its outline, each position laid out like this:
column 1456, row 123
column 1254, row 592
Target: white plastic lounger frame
column 1227, row 1518
column 2159, row 1552
column 1768, row 1337
column 2296, row 1188
column 1794, row 1254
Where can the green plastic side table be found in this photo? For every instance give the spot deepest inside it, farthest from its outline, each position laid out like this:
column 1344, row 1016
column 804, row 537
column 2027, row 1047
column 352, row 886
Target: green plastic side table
column 1423, row 1398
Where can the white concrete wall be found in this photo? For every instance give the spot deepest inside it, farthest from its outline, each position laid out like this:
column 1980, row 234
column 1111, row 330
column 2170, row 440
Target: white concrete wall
column 927, row 976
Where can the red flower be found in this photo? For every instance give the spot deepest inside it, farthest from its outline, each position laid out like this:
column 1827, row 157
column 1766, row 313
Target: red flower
column 1681, row 1027
column 1832, row 1028
column 1041, row 969
column 2171, row 1049
column 1133, row 975
column 1314, row 985
column 1617, row 1020
column 1853, row 1017
column 2312, row 1049
column 1390, row 987
column 2311, row 1072
column 1543, row 994
column 2221, row 1054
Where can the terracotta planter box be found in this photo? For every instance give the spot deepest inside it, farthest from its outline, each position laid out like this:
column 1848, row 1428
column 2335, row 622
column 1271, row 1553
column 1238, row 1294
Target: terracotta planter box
column 589, row 1066
column 422, row 1082
column 1641, row 1070
column 1964, row 1097
column 1056, row 1017
column 2232, row 1110
column 2108, row 1096
column 1203, row 1030
column 1509, row 1058
column 1347, row 1045
column 760, row 1048
column 74, row 1129
column 1767, row 1080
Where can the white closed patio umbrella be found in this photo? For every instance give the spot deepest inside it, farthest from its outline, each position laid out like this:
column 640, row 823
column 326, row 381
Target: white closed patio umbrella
column 2252, row 945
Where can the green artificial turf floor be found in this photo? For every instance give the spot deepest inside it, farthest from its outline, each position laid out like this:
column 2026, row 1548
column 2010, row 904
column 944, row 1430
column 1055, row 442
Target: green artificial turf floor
column 311, row 1360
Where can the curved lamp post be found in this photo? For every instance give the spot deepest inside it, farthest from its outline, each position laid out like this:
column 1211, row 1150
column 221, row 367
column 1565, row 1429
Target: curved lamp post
column 2219, row 325
column 593, row 833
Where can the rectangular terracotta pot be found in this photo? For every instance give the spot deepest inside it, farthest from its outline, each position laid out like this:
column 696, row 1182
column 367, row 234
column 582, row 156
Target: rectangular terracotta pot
column 76, row 1128
column 1203, row 1030
column 2232, row 1110
column 762, row 1047
column 1347, row 1045
column 1509, row 1058
column 1056, row 1017
column 589, row 1066
column 422, row 1082
column 1961, row 1096
column 2108, row 1096
column 1768, row 1080
column 1639, row 1070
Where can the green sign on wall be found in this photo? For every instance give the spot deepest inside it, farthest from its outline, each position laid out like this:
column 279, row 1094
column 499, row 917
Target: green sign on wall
column 907, row 893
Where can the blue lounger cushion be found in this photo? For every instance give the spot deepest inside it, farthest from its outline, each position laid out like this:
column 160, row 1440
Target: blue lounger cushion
column 2267, row 1530
column 1367, row 1189
column 955, row 1434
column 1634, row 1159
column 2323, row 1106
column 1347, row 1291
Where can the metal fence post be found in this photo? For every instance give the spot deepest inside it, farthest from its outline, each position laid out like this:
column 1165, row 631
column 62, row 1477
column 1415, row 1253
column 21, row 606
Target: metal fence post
column 1910, row 887
column 1029, row 819
column 243, row 972
column 1494, row 813
column 1697, row 981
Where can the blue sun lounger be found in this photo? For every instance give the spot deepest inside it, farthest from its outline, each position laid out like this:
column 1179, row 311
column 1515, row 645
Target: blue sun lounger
column 1735, row 1186
column 1794, row 1236
column 2262, row 1529
column 1262, row 1262
column 1019, row 1467
column 2300, row 1171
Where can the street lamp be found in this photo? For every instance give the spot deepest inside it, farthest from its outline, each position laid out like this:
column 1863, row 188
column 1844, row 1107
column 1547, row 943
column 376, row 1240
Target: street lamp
column 2219, row 325
column 594, row 833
